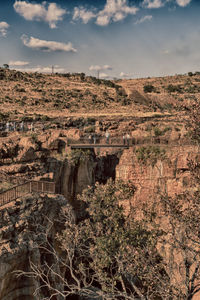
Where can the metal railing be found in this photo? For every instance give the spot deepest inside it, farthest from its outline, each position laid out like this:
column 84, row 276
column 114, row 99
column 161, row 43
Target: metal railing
column 26, row 188
column 98, row 140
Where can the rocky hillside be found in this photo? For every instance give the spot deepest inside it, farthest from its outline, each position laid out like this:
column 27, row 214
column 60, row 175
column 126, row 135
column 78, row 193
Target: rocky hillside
column 63, row 94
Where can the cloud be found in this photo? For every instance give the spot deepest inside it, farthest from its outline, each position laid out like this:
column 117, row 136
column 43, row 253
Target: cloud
column 183, row 3
column 94, row 68
column 18, row 63
column 39, row 12
column 83, row 14
column 41, row 69
column 114, row 11
column 122, row 74
column 153, row 3
column 99, row 68
column 144, row 19
column 106, row 67
column 3, row 28
column 47, row 46
column 103, row 75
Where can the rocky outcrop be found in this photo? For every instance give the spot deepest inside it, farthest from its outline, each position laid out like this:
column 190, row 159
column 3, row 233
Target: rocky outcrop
column 24, row 227
column 157, row 171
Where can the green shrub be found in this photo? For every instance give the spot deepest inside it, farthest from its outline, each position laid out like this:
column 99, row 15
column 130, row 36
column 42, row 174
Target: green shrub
column 149, row 88
column 174, row 88
column 150, row 153
column 157, row 131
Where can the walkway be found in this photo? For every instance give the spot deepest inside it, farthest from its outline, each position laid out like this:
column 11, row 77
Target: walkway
column 88, row 146
column 26, row 188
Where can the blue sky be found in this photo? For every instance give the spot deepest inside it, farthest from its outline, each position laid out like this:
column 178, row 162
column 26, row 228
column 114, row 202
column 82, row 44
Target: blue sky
column 117, row 38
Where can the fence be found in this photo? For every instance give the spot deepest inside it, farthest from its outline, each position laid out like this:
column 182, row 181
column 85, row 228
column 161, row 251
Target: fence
column 26, row 188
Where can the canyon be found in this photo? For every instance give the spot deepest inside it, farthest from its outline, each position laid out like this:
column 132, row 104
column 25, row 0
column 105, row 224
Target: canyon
column 157, row 161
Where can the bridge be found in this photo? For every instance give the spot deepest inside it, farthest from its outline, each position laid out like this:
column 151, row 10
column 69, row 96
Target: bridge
column 91, row 146
column 100, row 142
column 26, row 188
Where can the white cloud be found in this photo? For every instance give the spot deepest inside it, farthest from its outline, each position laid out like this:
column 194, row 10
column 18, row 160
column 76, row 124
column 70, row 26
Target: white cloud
column 125, row 75
column 106, row 67
column 41, row 69
column 114, row 11
column 94, row 68
column 153, row 3
column 144, row 19
column 3, row 28
column 103, row 75
column 83, row 14
column 18, row 63
column 99, row 68
column 183, row 3
column 54, row 14
column 39, row 12
column 47, row 46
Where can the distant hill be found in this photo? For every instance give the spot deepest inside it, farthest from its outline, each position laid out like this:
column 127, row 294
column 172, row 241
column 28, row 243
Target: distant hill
column 63, row 94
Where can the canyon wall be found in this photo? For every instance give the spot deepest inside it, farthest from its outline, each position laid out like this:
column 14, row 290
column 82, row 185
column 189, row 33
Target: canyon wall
column 25, row 229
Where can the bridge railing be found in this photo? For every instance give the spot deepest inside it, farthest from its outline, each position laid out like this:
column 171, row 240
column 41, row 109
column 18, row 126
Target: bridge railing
column 26, row 188
column 97, row 140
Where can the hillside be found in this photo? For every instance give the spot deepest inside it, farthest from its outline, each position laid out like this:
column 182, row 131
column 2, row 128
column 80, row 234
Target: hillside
column 59, row 99
column 64, row 94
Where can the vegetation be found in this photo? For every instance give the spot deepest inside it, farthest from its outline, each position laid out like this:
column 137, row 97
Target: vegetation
column 174, row 88
column 106, row 255
column 4, row 116
column 76, row 156
column 159, row 132
column 149, row 88
column 150, row 154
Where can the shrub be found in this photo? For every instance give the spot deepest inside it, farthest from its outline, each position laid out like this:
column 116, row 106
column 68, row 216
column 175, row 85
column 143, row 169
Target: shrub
column 150, row 153
column 190, row 74
column 158, row 131
column 149, row 88
column 174, row 88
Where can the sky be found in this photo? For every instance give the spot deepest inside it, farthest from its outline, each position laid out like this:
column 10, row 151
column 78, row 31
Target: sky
column 112, row 38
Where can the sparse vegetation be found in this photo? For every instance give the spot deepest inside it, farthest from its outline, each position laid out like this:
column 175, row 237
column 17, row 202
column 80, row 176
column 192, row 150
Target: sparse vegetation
column 150, row 154
column 78, row 155
column 174, row 88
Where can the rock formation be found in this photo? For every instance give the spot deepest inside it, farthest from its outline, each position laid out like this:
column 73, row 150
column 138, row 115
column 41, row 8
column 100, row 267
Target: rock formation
column 25, row 226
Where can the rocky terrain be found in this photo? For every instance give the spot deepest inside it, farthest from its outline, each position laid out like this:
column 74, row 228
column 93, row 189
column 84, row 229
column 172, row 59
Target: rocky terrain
column 66, row 109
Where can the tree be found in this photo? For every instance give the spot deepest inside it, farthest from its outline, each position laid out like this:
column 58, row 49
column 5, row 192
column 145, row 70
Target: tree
column 6, row 66
column 182, row 239
column 107, row 255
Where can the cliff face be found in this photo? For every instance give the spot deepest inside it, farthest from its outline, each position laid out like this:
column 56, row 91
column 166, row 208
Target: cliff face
column 162, row 170
column 154, row 170
column 24, row 228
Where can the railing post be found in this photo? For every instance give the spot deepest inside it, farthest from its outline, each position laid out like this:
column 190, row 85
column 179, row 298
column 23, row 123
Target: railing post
column 30, row 187
column 42, row 187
